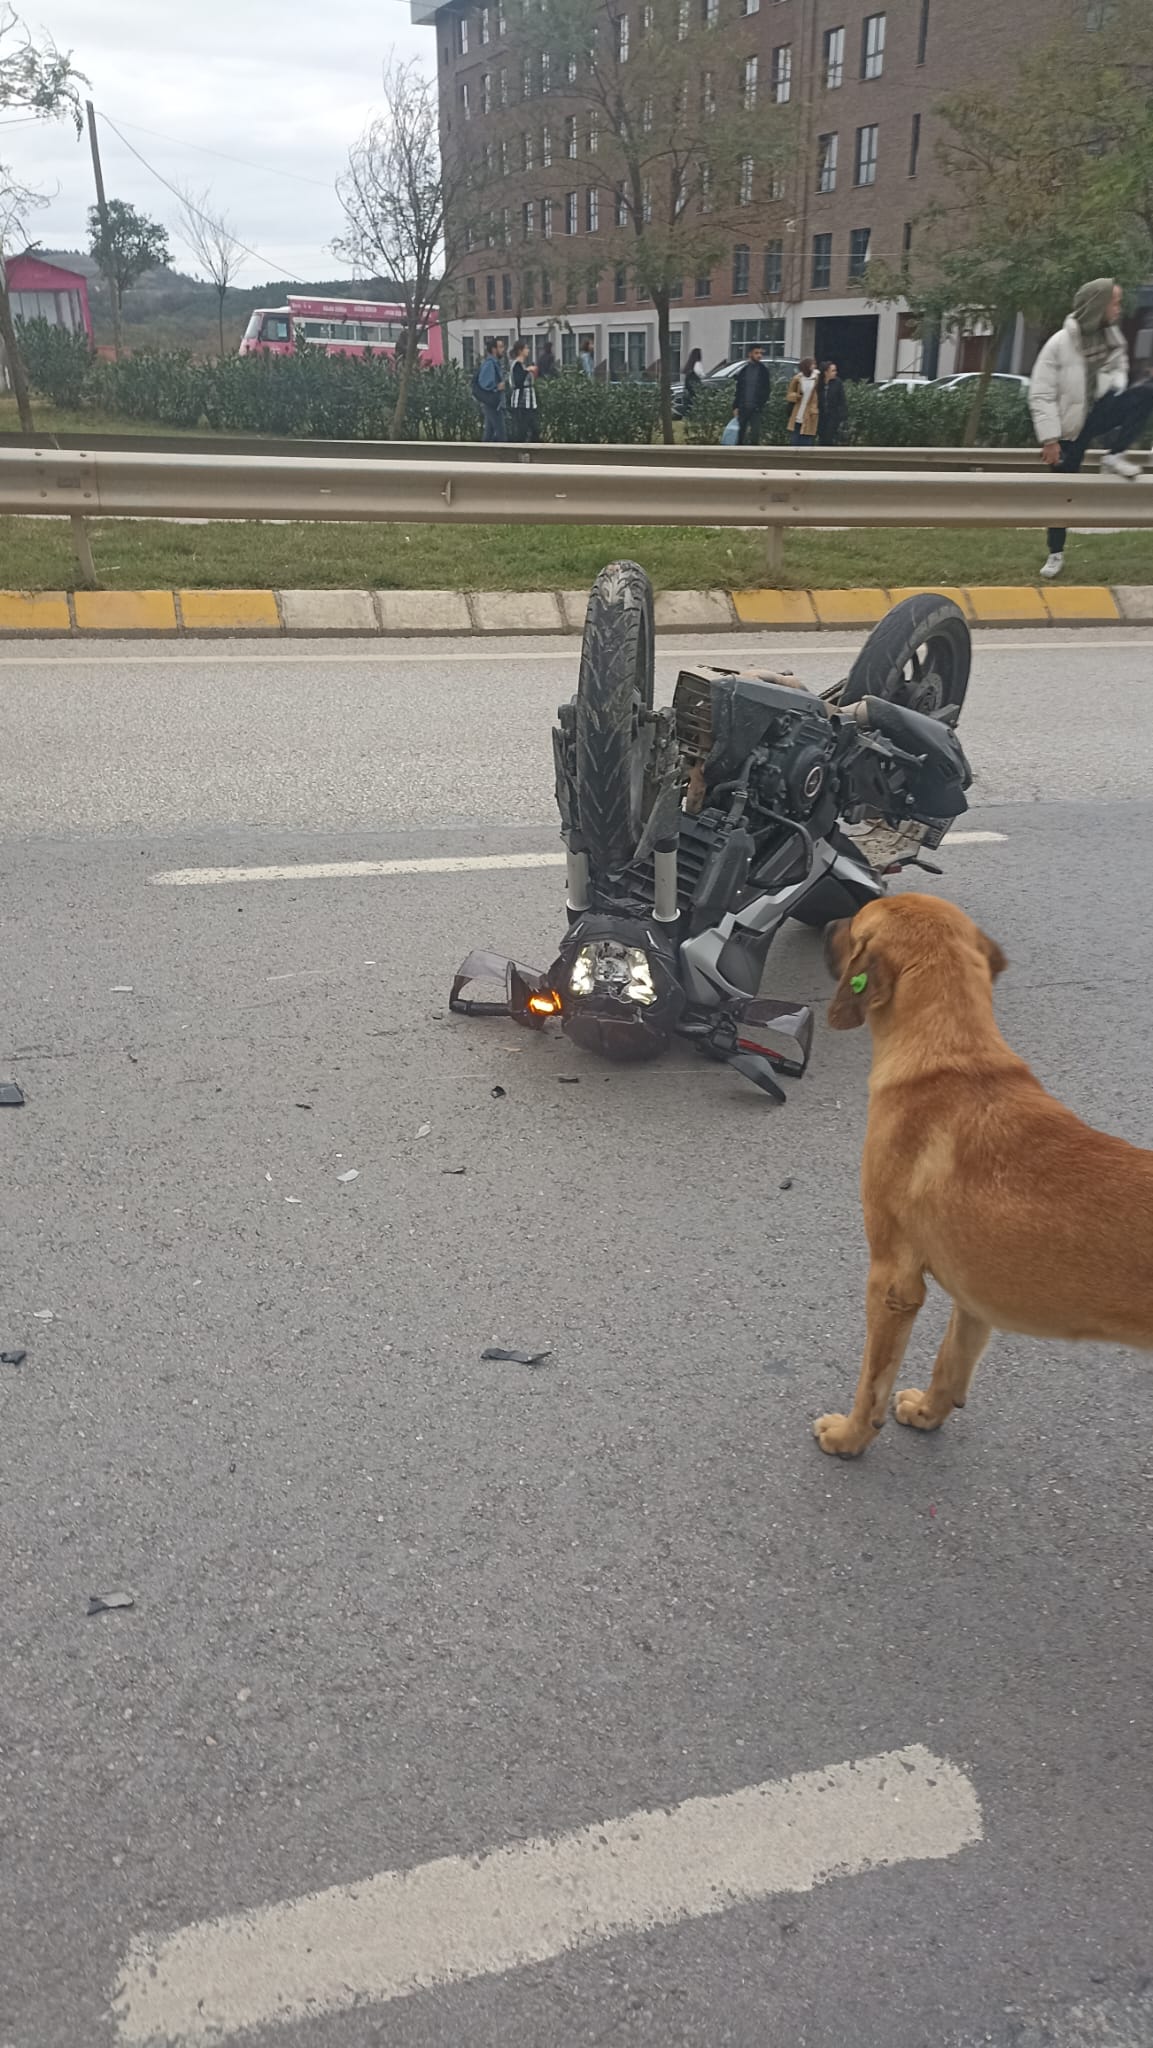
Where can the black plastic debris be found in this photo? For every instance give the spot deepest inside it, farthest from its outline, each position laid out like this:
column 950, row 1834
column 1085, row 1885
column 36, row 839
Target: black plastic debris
column 11, row 1095
column 497, row 1351
column 785, row 1185
column 454, row 1169
column 499, row 1091
column 12, row 1357
column 569, row 1080
column 104, row 1603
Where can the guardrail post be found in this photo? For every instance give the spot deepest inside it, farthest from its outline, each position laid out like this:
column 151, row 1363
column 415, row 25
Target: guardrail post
column 774, row 551
column 82, row 542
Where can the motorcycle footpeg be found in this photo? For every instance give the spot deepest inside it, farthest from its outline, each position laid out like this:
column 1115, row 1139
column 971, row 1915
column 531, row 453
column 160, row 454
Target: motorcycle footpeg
column 756, row 1068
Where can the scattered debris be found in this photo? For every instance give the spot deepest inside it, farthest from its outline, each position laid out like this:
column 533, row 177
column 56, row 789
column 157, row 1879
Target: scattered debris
column 304, row 1105
column 268, row 1176
column 569, row 1080
column 785, row 1185
column 122, row 988
column 44, row 1315
column 424, row 1130
column 12, row 1357
column 497, row 1351
column 294, row 1200
column 11, row 1095
column 352, row 1174
column 437, row 1016
column 104, row 1603
column 498, row 1090
column 454, row 1169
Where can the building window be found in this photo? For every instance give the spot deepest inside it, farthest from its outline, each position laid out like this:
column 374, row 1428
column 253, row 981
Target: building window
column 593, row 291
column 682, row 20
column 545, row 288
column 486, row 159
column 490, row 293
column 783, row 73
column 826, row 163
column 570, row 71
column 528, row 291
column 526, row 79
column 767, row 334
column 570, row 135
column 750, row 6
column 907, row 240
column 617, row 356
column 501, row 22
column 526, row 150
column 873, row 46
column 710, row 12
column 646, row 21
column 469, row 237
column 866, row 167
column 546, row 219
column 706, row 188
column 462, row 35
column 749, row 83
column 777, row 182
column 592, row 209
column 528, row 220
column 546, row 146
column 470, row 293
column 858, row 252
column 923, row 32
column 545, row 70
column 570, row 213
column 506, row 293
column 703, row 287
column 622, row 208
column 594, row 134
column 708, row 95
column 468, row 354
column 834, row 58
column 822, row 262
column 745, row 189
column 485, row 24
column 647, row 117
column 622, row 39
column 914, row 145
column 620, row 284
column 771, row 282
column 502, row 86
column 465, row 102
column 504, row 234
column 647, row 204
column 740, row 270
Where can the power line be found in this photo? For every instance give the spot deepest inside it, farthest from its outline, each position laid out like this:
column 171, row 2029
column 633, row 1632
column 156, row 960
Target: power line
column 187, row 203
column 265, row 169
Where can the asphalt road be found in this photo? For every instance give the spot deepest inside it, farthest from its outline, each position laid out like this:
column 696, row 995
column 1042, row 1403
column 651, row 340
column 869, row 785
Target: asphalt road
column 396, row 1605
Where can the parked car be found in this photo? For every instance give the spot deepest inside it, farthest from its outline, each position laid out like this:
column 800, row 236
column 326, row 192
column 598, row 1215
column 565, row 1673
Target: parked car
column 778, row 367
column 1002, row 377
column 911, row 381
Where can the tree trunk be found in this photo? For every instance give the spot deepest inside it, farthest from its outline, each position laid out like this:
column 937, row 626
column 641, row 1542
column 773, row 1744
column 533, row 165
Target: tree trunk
column 404, row 378
column 220, row 314
column 13, row 357
column 981, row 391
column 664, row 344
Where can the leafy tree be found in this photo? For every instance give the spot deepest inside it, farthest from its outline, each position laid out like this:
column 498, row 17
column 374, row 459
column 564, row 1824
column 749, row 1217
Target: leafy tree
column 37, row 79
column 667, row 146
column 132, row 245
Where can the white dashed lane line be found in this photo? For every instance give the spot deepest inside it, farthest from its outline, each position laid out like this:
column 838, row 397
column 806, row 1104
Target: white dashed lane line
column 474, row 1916
column 478, row 863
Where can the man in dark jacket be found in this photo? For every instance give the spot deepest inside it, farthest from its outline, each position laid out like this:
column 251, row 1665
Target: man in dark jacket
column 752, row 394
column 832, row 408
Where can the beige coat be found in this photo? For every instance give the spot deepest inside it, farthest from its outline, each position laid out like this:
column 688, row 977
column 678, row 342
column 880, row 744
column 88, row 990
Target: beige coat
column 807, row 425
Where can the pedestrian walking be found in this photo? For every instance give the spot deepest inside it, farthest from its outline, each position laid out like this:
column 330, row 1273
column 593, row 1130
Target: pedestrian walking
column 692, row 382
column 587, row 358
column 546, row 360
column 524, row 412
column 804, row 404
column 752, row 394
column 832, row 408
column 488, row 388
column 1080, row 393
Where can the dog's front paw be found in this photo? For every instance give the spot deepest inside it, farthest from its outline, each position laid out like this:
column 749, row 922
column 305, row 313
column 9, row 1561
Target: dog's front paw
column 840, row 1436
column 912, row 1408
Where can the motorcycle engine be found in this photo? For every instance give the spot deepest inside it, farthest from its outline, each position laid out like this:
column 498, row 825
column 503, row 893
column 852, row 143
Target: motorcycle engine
column 722, row 721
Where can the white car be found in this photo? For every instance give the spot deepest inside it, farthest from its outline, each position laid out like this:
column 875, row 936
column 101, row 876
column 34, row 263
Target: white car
column 1002, row 377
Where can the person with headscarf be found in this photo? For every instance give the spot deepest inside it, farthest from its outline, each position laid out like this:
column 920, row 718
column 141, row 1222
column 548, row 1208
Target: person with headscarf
column 1080, row 393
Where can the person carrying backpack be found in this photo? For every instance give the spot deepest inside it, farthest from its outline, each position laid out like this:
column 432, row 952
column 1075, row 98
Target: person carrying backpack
column 488, row 387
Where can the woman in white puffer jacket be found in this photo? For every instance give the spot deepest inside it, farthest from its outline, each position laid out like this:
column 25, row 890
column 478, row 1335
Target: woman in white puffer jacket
column 1079, row 393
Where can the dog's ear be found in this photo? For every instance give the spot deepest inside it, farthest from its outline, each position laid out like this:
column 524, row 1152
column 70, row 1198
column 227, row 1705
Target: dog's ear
column 993, row 954
column 866, row 983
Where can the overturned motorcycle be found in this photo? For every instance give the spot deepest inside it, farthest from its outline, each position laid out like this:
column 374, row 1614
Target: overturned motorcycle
column 693, row 833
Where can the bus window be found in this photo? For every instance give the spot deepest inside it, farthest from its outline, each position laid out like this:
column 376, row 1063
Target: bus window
column 276, row 327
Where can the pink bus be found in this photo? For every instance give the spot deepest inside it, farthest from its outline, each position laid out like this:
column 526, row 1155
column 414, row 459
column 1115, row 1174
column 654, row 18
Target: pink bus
column 341, row 327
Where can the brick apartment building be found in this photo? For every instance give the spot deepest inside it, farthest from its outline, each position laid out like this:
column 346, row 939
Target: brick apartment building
column 864, row 77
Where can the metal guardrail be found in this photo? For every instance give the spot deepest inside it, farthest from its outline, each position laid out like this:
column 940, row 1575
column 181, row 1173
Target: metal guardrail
column 594, row 454
column 139, row 485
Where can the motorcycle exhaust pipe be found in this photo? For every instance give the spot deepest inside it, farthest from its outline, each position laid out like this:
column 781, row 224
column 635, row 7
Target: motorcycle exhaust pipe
column 577, row 873
column 665, row 909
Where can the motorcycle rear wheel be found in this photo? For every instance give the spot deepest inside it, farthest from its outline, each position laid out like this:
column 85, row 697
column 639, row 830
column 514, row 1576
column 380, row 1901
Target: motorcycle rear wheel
column 919, row 656
column 614, row 686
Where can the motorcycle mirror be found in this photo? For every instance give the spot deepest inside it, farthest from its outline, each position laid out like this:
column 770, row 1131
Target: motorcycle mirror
column 781, row 1032
column 526, row 990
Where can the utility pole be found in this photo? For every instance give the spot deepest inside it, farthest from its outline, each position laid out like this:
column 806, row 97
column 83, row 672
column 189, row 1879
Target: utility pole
column 102, row 210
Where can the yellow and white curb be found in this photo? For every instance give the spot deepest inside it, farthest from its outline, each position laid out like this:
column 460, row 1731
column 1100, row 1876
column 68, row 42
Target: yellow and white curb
column 368, row 614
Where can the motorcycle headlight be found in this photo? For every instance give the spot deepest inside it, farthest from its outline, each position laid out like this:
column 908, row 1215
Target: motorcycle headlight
column 606, row 967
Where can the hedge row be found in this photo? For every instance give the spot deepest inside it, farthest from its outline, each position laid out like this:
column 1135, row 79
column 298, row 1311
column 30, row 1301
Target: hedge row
column 350, row 398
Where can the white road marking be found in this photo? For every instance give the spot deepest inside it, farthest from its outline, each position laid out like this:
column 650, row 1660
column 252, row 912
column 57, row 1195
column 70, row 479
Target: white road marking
column 386, row 654
column 470, row 1916
column 449, row 864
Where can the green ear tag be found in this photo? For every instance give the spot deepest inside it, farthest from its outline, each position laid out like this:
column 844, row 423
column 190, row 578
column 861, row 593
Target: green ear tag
column 859, row 984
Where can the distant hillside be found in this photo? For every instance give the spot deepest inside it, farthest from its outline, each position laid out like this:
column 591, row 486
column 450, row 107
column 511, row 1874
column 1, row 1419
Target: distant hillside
column 169, row 309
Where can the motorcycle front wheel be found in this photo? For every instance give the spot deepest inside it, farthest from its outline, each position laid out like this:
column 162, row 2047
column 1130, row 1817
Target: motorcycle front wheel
column 919, row 656
column 614, row 686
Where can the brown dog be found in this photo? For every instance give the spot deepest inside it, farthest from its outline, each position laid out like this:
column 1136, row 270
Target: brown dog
column 1028, row 1218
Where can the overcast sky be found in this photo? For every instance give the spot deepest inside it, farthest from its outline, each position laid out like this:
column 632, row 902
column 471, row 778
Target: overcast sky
column 286, row 84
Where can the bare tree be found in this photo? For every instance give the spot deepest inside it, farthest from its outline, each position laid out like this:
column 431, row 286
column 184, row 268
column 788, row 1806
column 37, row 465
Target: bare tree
column 210, row 236
column 42, row 81
column 395, row 194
